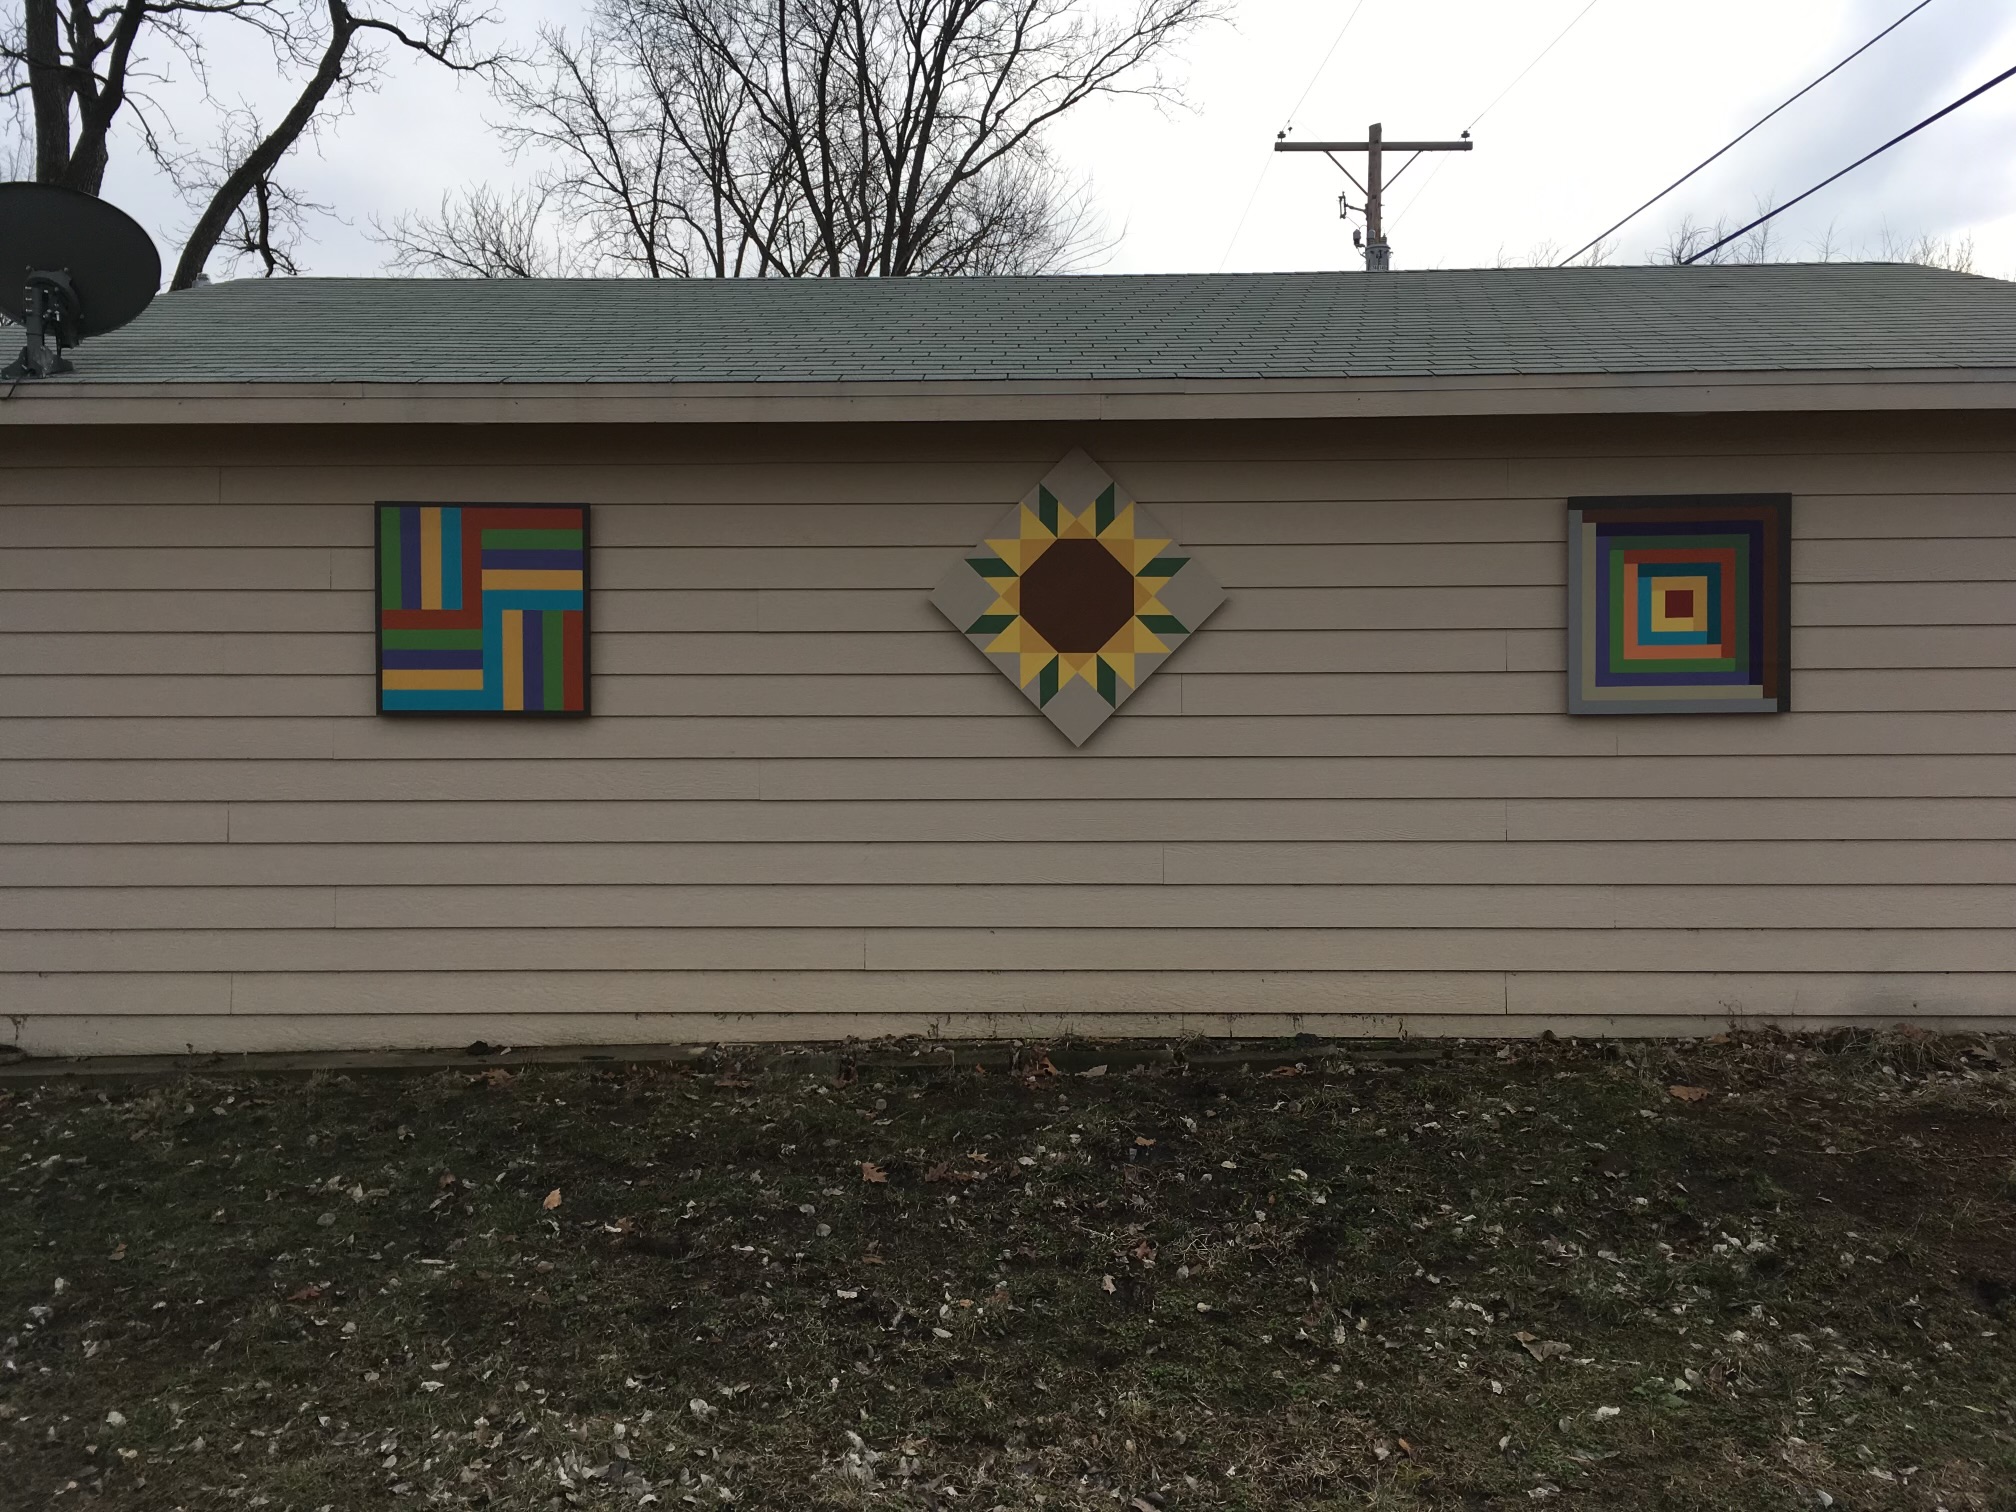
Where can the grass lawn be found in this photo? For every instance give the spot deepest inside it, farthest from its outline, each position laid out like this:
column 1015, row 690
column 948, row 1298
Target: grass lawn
column 1756, row 1274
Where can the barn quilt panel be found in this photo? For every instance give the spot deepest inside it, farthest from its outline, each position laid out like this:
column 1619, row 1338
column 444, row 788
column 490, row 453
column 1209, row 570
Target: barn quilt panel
column 482, row 609
column 1680, row 605
column 1077, row 596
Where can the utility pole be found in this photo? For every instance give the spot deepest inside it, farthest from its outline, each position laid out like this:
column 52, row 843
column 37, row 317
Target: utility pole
column 1378, row 254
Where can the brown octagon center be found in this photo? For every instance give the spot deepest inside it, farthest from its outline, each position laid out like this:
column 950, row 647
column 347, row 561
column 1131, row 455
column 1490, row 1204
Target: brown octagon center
column 1077, row 596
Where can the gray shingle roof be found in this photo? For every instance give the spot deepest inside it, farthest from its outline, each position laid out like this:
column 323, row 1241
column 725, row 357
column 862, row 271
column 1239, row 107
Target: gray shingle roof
column 1286, row 325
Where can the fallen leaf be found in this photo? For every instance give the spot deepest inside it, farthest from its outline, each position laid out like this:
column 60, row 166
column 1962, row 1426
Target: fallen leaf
column 1541, row 1349
column 552, row 1200
column 1142, row 1142
column 1145, row 1253
column 447, row 1180
column 307, row 1293
column 1280, row 1072
column 1094, row 1071
column 1106, row 1285
column 874, row 1174
column 1405, row 1447
column 1688, row 1094
column 1043, row 1067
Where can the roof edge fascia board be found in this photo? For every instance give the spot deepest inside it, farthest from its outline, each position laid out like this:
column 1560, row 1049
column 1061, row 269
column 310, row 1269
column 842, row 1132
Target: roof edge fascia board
column 518, row 403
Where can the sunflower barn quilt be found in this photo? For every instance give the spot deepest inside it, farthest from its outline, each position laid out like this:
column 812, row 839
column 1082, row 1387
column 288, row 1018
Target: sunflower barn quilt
column 482, row 609
column 1680, row 605
column 1078, row 596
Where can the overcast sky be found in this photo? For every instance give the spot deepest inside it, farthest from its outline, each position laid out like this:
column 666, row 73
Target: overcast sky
column 1633, row 95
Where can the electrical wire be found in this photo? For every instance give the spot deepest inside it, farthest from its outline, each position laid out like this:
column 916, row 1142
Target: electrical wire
column 1286, row 126
column 1598, row 237
column 1233, row 241
column 1536, row 63
column 1436, row 172
column 1335, row 42
column 1971, row 94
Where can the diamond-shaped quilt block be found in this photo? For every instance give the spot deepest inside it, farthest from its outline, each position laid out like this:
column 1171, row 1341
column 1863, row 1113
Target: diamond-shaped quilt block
column 1078, row 596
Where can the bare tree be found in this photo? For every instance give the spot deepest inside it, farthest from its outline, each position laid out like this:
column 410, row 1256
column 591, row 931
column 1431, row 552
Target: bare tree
column 1955, row 254
column 1600, row 252
column 818, row 137
column 17, row 137
column 1690, row 241
column 269, row 223
column 1688, row 238
column 84, row 69
column 481, row 234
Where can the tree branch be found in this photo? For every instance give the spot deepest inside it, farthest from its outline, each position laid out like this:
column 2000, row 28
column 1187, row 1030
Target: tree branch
column 444, row 40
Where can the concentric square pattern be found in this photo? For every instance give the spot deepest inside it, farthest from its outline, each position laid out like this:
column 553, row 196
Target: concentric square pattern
column 482, row 609
column 1680, row 605
column 1078, row 596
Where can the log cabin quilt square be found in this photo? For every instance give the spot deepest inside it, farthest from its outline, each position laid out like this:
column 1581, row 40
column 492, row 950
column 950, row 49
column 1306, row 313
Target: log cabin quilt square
column 1680, row 604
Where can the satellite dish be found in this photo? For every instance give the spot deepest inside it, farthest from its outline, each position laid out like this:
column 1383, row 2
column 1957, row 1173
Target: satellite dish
column 71, row 266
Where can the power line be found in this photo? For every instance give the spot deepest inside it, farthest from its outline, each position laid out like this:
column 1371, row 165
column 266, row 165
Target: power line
column 1258, row 179
column 1286, row 126
column 1335, row 42
column 1536, row 63
column 1971, row 94
column 1437, row 172
column 1598, row 237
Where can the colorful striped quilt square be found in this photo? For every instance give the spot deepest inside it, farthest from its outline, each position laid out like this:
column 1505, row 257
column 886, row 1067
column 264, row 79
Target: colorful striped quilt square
column 482, row 609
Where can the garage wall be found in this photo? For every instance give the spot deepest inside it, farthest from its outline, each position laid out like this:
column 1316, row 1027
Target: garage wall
column 807, row 809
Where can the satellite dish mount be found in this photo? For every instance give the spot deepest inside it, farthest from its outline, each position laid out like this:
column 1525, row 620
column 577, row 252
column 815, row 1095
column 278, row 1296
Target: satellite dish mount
column 49, row 310
column 85, row 268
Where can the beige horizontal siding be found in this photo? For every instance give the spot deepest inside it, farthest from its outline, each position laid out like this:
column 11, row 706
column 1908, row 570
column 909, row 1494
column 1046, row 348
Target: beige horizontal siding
column 775, row 1001
column 805, row 808
column 1328, row 820
column 974, row 905
column 755, row 948
column 358, row 736
column 1049, row 863
column 882, row 523
column 865, row 779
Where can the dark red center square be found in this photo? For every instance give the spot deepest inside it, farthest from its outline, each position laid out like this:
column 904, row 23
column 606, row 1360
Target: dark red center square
column 1077, row 595
column 1679, row 603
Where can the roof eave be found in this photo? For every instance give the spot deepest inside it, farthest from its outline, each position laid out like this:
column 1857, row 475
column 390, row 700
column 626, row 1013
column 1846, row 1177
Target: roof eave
column 520, row 403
